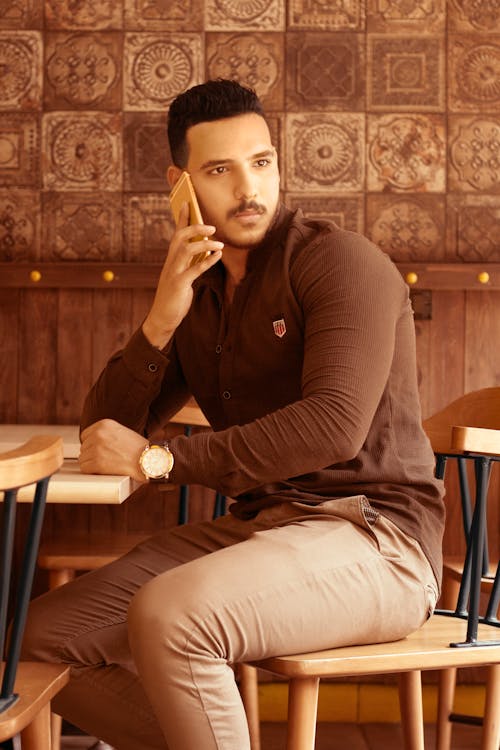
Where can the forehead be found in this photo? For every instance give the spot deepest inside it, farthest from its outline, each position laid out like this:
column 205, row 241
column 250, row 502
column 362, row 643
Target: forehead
column 230, row 139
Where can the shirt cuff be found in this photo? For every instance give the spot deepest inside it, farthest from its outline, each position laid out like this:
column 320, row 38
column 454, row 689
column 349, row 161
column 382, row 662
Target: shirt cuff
column 144, row 361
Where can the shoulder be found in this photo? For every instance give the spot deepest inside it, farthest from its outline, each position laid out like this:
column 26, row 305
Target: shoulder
column 321, row 248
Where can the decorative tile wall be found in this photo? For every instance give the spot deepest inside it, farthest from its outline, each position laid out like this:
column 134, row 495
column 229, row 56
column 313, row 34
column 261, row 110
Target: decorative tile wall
column 386, row 116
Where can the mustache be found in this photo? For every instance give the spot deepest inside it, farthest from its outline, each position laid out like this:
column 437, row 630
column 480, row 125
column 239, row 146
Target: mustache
column 247, row 206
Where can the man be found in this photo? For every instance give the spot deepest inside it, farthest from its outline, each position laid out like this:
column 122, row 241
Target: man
column 297, row 341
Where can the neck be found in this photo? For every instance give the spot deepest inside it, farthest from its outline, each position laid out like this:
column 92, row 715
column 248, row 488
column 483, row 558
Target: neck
column 235, row 263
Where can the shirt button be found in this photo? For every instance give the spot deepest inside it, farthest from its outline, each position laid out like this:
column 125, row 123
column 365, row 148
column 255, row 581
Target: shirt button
column 218, row 349
column 226, row 395
column 152, row 367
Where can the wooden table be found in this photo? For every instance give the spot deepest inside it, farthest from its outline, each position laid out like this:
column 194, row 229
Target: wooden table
column 69, row 485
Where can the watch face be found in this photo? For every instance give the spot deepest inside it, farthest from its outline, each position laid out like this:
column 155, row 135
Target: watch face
column 157, row 462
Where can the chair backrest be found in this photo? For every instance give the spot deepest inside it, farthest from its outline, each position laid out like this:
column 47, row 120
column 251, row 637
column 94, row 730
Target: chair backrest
column 474, row 409
column 32, row 463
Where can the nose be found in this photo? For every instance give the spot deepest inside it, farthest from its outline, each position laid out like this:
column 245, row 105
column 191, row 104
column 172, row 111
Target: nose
column 245, row 187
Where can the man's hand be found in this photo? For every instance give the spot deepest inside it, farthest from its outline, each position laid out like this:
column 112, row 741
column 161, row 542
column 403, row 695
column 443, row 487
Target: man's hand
column 174, row 292
column 110, row 448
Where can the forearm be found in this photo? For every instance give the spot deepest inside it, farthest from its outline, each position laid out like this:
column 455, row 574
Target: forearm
column 130, row 383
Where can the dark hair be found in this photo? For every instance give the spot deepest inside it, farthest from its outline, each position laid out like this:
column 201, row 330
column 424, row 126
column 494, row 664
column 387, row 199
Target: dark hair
column 213, row 100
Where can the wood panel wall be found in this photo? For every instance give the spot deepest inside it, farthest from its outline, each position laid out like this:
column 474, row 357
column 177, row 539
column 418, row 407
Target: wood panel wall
column 55, row 341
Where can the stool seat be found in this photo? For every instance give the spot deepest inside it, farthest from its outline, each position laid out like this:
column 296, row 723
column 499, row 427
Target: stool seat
column 36, row 683
column 86, row 551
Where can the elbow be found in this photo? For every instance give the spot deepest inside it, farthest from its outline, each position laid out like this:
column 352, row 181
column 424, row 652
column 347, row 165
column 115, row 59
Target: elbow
column 350, row 449
column 346, row 446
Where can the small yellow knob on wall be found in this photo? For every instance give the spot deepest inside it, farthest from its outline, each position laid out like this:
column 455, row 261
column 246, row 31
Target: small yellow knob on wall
column 483, row 277
column 411, row 277
column 35, row 276
column 108, row 276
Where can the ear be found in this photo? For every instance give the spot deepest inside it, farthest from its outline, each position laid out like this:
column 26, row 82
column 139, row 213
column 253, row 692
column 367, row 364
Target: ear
column 173, row 174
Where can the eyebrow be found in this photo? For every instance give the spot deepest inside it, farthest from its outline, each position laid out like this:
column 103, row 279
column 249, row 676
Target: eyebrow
column 221, row 162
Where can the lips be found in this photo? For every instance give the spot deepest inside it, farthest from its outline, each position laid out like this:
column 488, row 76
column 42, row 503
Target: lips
column 243, row 214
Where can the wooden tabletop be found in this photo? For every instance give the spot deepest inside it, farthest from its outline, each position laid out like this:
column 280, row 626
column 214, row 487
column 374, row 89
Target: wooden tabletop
column 69, row 485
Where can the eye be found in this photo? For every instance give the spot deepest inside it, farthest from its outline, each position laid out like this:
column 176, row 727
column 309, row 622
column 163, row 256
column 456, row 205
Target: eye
column 219, row 170
column 263, row 162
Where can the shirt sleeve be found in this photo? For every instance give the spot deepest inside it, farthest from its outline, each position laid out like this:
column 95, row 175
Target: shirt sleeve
column 352, row 297
column 140, row 387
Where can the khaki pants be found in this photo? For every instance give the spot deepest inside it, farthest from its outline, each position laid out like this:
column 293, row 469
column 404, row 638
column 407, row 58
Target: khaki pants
column 196, row 599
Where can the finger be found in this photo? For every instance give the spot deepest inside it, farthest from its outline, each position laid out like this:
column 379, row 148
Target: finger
column 204, row 246
column 91, row 433
column 203, row 264
column 198, row 231
column 85, row 433
column 86, row 464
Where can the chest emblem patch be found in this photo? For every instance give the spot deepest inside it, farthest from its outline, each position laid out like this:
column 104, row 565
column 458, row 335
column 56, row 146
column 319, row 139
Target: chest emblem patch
column 279, row 327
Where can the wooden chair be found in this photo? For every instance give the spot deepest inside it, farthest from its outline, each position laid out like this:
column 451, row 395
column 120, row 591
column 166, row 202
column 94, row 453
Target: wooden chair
column 448, row 639
column 476, row 409
column 27, row 688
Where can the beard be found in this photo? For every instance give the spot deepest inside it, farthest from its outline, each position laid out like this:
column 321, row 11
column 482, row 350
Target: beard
column 247, row 238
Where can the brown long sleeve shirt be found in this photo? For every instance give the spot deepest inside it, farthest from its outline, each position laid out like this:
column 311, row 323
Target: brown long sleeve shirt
column 309, row 382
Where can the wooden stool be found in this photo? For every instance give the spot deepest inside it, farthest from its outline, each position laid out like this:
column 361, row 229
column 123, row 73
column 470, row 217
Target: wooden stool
column 26, row 688
column 62, row 558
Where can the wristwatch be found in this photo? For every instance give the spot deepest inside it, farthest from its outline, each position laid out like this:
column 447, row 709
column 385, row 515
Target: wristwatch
column 156, row 461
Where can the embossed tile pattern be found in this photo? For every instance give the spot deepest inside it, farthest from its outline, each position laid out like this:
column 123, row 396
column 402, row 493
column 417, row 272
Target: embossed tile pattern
column 83, row 71
column 474, row 223
column 406, row 153
column 474, row 154
column 474, row 71
column 81, row 151
column 19, row 225
column 158, row 15
column 325, row 150
column 405, row 72
column 419, row 16
column 21, row 70
column 318, row 15
column 145, row 157
column 239, row 15
column 157, row 67
column 149, row 226
column 385, row 114
column 82, row 226
column 464, row 15
column 409, row 227
column 325, row 72
column 254, row 59
column 346, row 211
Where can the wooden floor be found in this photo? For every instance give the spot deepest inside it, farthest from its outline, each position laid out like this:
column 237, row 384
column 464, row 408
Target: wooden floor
column 332, row 736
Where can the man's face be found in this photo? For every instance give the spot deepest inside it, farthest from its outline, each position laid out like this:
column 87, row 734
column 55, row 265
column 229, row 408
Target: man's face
column 234, row 170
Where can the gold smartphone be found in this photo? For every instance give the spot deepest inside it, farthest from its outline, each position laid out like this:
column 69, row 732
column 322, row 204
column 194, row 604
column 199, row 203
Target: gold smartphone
column 183, row 192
